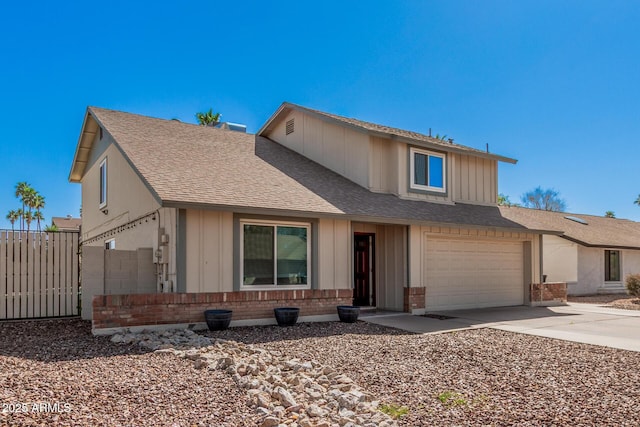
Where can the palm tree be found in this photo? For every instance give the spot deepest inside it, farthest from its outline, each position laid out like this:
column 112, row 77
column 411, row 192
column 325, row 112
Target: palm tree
column 50, row 228
column 208, row 118
column 637, row 202
column 38, row 205
column 21, row 189
column 37, row 215
column 28, row 218
column 13, row 216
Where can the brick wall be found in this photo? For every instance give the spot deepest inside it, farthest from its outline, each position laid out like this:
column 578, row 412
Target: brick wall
column 115, row 311
column 545, row 294
column 414, row 299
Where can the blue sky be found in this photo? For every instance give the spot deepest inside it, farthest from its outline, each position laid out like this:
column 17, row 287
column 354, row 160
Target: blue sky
column 554, row 84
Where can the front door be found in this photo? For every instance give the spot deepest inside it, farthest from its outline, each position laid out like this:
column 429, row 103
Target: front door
column 364, row 293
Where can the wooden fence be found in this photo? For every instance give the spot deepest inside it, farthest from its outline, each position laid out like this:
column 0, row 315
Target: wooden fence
column 38, row 274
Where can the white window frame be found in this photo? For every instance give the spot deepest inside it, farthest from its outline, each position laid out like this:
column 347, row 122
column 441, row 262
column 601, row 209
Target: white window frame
column 274, row 224
column 102, row 183
column 110, row 244
column 412, row 152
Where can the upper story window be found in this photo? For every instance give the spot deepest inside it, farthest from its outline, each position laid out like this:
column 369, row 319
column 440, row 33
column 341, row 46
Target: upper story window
column 103, row 183
column 427, row 170
column 275, row 254
column 110, row 244
column 611, row 266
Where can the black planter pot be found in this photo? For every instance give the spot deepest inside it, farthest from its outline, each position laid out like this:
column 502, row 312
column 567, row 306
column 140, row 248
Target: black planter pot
column 348, row 313
column 286, row 316
column 218, row 320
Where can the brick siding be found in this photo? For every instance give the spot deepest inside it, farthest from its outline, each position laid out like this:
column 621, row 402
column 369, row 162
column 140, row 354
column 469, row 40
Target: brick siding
column 548, row 293
column 414, row 299
column 115, row 311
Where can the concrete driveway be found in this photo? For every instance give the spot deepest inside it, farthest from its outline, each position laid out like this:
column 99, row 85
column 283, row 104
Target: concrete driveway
column 584, row 323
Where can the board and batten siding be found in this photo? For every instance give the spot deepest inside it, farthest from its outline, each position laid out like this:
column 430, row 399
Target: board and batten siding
column 338, row 148
column 390, row 261
column 210, row 251
column 475, row 180
column 334, row 254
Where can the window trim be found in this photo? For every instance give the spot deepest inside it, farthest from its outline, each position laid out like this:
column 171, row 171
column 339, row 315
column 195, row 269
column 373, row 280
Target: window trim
column 412, row 185
column 103, row 182
column 606, row 271
column 275, row 225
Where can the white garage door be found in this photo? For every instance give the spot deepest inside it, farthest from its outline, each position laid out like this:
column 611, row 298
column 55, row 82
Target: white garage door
column 472, row 273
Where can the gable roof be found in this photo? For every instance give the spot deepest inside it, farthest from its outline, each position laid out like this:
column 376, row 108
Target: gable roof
column 66, row 223
column 186, row 165
column 379, row 130
column 597, row 232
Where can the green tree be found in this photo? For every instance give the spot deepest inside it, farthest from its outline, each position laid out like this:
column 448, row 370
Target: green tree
column 50, row 228
column 546, row 200
column 610, row 214
column 28, row 218
column 503, row 200
column 13, row 216
column 38, row 205
column 208, row 118
column 21, row 190
column 637, row 201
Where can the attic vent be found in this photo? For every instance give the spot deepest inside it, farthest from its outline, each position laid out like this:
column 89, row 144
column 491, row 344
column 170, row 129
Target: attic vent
column 576, row 219
column 100, row 134
column 289, row 128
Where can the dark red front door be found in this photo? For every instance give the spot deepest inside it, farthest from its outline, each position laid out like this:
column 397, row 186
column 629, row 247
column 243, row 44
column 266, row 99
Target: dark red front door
column 364, row 292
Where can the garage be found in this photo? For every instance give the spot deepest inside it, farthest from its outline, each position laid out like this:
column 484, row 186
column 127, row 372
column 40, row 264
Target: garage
column 462, row 273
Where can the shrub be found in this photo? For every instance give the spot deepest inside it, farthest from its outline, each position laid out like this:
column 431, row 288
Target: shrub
column 633, row 284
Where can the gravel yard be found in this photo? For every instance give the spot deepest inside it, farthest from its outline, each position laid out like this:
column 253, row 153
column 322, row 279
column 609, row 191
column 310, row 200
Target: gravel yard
column 106, row 384
column 622, row 301
column 474, row 377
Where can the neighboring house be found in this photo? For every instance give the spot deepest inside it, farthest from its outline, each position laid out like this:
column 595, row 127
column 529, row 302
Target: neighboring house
column 67, row 223
column 314, row 201
column 593, row 254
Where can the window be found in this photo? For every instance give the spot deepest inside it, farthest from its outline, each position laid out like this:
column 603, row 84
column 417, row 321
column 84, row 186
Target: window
column 427, row 170
column 110, row 244
column 103, row 183
column 275, row 254
column 611, row 266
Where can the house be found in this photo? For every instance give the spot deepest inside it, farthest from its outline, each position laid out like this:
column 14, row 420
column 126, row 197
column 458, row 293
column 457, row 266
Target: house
column 67, row 223
column 592, row 254
column 314, row 210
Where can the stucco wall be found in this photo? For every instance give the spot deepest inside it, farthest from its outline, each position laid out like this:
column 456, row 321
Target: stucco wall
column 127, row 196
column 560, row 261
column 590, row 271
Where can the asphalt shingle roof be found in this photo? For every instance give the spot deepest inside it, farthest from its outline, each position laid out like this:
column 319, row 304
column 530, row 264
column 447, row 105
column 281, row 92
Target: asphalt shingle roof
column 599, row 231
column 190, row 165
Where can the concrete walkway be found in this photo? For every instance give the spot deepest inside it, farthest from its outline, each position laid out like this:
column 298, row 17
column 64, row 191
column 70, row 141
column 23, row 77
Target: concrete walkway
column 584, row 323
